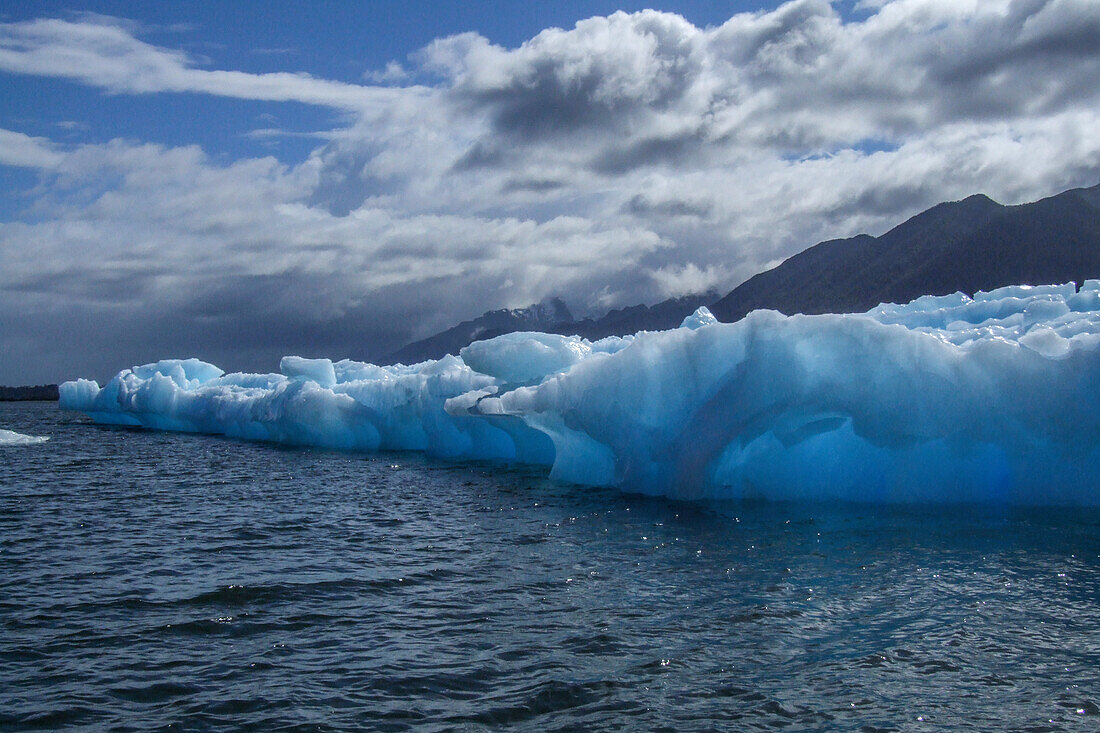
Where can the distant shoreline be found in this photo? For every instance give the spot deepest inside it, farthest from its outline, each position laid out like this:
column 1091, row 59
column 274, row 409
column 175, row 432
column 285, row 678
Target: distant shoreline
column 36, row 393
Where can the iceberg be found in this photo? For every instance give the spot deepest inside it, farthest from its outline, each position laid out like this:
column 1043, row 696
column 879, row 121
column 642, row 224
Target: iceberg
column 10, row 437
column 991, row 398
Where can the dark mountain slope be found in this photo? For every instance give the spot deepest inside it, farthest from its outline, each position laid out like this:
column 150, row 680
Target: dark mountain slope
column 1054, row 240
column 969, row 245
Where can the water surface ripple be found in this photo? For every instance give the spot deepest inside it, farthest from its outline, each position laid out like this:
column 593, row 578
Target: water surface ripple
column 154, row 580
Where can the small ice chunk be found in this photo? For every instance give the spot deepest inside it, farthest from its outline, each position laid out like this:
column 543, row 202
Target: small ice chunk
column 1046, row 341
column 611, row 344
column 523, row 358
column 185, row 373
column 10, row 437
column 701, row 317
column 320, row 371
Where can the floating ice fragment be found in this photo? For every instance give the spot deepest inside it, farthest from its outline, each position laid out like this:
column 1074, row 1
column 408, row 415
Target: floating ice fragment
column 10, row 437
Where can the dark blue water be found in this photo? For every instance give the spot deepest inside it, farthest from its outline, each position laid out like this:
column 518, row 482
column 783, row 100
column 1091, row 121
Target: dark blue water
column 155, row 580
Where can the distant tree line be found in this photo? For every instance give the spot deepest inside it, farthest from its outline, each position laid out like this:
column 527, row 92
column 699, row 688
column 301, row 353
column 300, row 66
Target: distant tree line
column 22, row 394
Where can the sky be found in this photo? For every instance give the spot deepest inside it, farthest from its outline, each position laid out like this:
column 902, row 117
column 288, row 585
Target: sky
column 240, row 181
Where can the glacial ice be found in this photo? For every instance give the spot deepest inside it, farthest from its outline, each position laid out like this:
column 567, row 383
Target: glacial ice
column 10, row 437
column 994, row 398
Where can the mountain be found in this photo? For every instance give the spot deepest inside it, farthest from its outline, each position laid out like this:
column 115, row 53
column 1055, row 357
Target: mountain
column 552, row 316
column 660, row 317
column 969, row 245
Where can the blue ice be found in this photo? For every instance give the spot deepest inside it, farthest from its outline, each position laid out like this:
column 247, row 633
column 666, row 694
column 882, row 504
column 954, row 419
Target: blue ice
column 994, row 398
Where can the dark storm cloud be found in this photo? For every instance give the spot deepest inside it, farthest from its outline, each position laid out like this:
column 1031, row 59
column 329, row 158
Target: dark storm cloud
column 885, row 201
column 790, row 79
column 1028, row 59
column 533, row 185
column 562, row 83
column 117, row 287
column 643, row 206
column 482, row 154
column 341, row 187
column 616, row 160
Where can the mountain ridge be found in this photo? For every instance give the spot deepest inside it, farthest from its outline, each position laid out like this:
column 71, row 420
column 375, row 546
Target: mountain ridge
column 967, row 245
column 631, row 319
